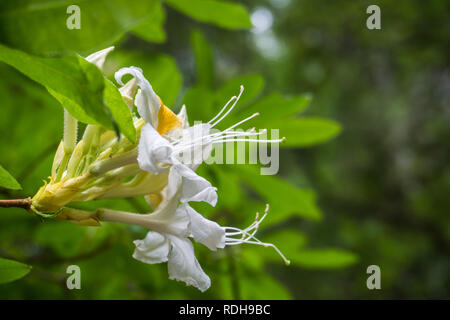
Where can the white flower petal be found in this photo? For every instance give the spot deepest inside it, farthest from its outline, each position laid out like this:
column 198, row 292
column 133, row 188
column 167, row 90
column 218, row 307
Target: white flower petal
column 183, row 265
column 154, row 248
column 147, row 102
column 154, row 150
column 204, row 231
column 182, row 115
column 98, row 58
column 170, row 219
column 174, row 183
column 193, row 187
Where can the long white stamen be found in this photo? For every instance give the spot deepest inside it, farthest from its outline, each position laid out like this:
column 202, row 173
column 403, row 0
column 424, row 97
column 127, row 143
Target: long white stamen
column 248, row 235
column 251, row 140
column 229, row 110
column 238, row 134
column 254, row 226
column 209, row 136
column 238, row 231
column 234, row 98
column 235, row 125
column 223, row 109
column 241, row 122
column 197, row 141
column 286, row 261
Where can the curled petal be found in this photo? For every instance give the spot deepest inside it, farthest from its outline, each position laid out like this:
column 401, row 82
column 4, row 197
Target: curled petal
column 183, row 265
column 193, row 187
column 204, row 231
column 154, row 248
column 147, row 102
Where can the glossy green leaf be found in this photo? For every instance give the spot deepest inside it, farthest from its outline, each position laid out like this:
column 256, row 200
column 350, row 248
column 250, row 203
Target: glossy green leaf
column 285, row 200
column 324, row 258
column 253, row 86
column 288, row 241
column 203, row 59
column 64, row 238
column 228, row 184
column 12, row 270
column 39, row 26
column 263, row 287
column 199, row 103
column 74, row 82
column 223, row 14
column 304, row 132
column 119, row 110
column 7, row 180
column 272, row 107
column 152, row 29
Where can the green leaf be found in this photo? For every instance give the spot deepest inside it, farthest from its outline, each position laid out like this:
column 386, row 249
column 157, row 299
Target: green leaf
column 304, row 132
column 228, row 184
column 64, row 238
column 7, row 180
column 263, row 286
column 199, row 103
column 324, row 258
column 39, row 26
column 203, row 60
column 223, row 14
column 273, row 106
column 12, row 270
column 253, row 86
column 119, row 110
column 74, row 82
column 285, row 200
column 152, row 28
column 288, row 241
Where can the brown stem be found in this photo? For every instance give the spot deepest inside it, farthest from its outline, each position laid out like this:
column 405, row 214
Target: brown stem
column 16, row 203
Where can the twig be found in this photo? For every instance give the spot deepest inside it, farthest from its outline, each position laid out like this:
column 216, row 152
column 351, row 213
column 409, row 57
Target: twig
column 16, row 203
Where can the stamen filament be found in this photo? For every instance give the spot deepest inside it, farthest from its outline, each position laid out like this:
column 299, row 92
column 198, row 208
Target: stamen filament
column 232, row 107
column 223, row 109
column 247, row 236
column 250, row 140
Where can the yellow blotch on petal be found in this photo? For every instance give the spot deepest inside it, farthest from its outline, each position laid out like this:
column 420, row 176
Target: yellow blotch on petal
column 154, row 200
column 167, row 120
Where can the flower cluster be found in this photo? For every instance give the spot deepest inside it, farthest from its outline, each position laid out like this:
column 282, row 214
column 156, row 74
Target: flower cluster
column 159, row 167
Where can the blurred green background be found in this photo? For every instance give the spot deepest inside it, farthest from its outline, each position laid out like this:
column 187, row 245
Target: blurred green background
column 380, row 186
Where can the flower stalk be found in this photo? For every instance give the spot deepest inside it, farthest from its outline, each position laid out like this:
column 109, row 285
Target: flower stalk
column 16, row 203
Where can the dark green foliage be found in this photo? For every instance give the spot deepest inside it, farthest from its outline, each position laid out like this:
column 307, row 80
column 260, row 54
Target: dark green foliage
column 378, row 194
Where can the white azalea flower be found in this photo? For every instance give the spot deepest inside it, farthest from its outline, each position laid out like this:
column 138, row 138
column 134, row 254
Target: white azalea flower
column 168, row 241
column 160, row 167
column 165, row 145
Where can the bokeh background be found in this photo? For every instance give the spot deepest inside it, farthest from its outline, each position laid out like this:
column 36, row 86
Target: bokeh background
column 364, row 177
